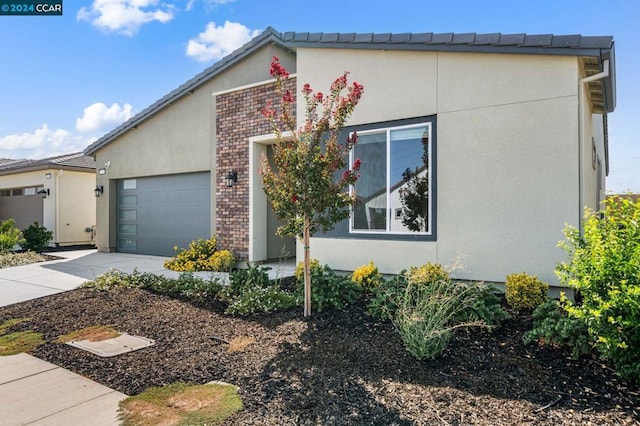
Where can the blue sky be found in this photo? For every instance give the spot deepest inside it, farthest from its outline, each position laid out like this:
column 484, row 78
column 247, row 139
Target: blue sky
column 66, row 80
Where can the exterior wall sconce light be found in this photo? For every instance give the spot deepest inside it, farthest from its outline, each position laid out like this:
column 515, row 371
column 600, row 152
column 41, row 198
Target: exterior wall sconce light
column 44, row 192
column 47, row 175
column 232, row 177
column 102, row 171
column 99, row 190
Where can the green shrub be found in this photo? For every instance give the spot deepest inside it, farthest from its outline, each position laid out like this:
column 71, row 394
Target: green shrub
column 187, row 286
column 367, row 277
column 251, row 291
column 202, row 255
column 604, row 268
column 386, row 297
column 553, row 326
column 10, row 259
column 261, row 299
column 427, row 315
column 483, row 304
column 525, row 292
column 10, row 236
column 329, row 289
column 36, row 237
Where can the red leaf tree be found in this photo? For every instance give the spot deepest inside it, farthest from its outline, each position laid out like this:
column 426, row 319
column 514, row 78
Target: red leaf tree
column 308, row 185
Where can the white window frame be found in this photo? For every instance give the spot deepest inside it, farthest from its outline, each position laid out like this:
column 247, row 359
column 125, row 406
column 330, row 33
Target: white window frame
column 390, row 211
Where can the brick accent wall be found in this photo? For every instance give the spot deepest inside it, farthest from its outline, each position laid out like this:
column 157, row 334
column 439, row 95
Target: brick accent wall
column 238, row 117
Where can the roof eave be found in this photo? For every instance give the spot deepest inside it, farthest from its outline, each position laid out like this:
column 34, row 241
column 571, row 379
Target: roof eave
column 268, row 36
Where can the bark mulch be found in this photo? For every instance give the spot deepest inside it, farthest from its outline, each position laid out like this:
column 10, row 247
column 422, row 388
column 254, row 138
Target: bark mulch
column 339, row 367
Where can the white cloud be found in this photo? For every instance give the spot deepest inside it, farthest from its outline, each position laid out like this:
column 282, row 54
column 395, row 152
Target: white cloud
column 96, row 120
column 99, row 117
column 125, row 16
column 216, row 42
column 43, row 142
column 189, row 5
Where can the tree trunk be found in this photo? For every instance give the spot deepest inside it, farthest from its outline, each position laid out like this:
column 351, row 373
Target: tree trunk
column 307, row 269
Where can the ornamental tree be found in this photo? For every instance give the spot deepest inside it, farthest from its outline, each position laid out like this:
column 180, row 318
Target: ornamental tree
column 308, row 184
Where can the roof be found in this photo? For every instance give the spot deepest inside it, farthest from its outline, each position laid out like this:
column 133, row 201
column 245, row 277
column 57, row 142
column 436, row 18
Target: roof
column 600, row 47
column 75, row 161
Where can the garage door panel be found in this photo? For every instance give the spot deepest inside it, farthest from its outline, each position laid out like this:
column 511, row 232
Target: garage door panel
column 169, row 211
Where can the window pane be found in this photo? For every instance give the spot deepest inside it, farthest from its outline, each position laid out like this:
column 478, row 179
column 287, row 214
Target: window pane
column 124, row 228
column 17, row 192
column 29, row 191
column 409, row 183
column 371, row 187
column 126, row 244
column 5, row 193
column 129, row 184
column 127, row 214
column 128, row 200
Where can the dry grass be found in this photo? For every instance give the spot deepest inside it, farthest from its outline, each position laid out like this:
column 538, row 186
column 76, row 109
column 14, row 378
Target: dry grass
column 180, row 403
column 95, row 333
column 238, row 344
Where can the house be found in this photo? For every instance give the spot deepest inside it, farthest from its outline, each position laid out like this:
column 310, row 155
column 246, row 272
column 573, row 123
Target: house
column 508, row 132
column 56, row 192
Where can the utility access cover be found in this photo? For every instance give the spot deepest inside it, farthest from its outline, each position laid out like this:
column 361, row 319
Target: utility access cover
column 122, row 344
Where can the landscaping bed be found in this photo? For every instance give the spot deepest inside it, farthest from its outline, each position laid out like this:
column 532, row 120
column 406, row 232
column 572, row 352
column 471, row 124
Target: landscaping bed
column 339, row 367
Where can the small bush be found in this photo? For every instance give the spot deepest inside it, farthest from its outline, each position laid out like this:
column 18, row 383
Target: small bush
column 10, row 259
column 427, row 273
column 525, row 292
column 483, row 304
column 314, row 264
column 261, row 299
column 251, row 291
column 187, row 286
column 426, row 316
column 553, row 326
column 329, row 289
column 367, row 277
column 202, row 255
column 10, row 236
column 604, row 268
column 386, row 297
column 36, row 237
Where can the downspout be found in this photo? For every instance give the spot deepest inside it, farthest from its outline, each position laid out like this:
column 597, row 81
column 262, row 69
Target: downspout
column 57, row 207
column 603, row 74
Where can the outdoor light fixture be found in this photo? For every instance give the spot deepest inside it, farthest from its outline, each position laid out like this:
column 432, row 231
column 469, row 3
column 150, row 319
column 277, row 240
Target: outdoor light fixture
column 232, row 177
column 47, row 175
column 102, row 171
column 99, row 190
column 44, row 192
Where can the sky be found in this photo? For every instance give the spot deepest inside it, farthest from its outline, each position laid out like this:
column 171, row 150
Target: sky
column 67, row 80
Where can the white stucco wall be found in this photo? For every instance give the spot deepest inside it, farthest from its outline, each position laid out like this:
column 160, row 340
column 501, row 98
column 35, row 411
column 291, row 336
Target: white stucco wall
column 178, row 139
column 507, row 147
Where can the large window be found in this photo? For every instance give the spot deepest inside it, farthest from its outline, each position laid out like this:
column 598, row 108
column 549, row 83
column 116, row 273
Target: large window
column 394, row 191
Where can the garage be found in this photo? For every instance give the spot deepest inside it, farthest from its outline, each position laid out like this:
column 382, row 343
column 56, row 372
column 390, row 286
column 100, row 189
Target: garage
column 155, row 214
column 22, row 204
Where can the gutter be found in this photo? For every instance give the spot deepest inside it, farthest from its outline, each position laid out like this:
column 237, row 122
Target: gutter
column 581, row 94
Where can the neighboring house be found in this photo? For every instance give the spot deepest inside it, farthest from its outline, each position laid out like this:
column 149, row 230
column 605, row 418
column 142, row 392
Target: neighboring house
column 56, row 192
column 510, row 132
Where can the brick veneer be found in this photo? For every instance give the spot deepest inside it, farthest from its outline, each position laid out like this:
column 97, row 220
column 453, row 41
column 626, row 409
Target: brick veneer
column 238, row 117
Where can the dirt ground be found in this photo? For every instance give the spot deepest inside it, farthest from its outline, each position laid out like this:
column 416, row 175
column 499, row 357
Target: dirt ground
column 339, row 367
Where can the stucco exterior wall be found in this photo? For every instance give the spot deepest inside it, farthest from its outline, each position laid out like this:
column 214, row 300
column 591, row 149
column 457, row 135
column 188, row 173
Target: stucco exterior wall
column 178, row 139
column 507, row 162
column 70, row 206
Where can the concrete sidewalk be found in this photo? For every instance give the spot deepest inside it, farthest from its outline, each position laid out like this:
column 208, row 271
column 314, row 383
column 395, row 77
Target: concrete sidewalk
column 35, row 392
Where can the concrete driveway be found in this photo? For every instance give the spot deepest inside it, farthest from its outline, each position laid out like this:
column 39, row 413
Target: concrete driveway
column 27, row 282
